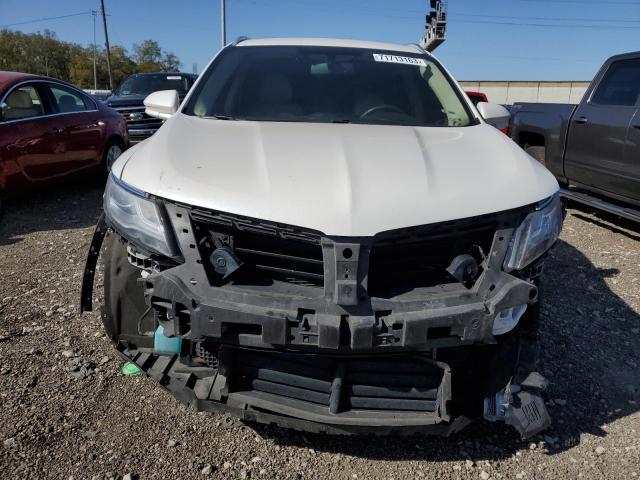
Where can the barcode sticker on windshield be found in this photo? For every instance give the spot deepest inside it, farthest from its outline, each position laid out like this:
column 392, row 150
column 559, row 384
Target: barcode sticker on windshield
column 174, row 77
column 384, row 57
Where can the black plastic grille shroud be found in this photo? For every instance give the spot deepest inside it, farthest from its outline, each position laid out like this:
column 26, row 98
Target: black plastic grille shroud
column 400, row 260
column 405, row 259
column 269, row 251
column 407, row 383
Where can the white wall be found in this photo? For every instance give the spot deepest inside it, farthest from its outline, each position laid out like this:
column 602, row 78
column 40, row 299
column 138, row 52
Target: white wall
column 508, row 92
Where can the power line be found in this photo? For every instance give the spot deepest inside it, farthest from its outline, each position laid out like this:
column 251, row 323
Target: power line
column 358, row 6
column 170, row 24
column 548, row 25
column 44, row 19
column 528, row 58
column 327, row 8
column 552, row 19
column 598, row 2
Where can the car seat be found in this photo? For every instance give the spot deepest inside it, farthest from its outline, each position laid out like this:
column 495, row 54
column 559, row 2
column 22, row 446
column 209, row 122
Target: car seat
column 275, row 98
column 21, row 106
column 66, row 104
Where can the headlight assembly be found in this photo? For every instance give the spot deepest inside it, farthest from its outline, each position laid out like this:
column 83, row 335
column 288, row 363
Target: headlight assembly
column 136, row 217
column 535, row 235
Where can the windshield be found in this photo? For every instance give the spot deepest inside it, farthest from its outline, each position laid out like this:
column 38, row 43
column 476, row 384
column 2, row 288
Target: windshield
column 146, row 84
column 327, row 84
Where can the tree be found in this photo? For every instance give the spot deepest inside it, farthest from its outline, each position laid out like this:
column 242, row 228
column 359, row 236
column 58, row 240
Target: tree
column 44, row 54
column 171, row 62
column 40, row 53
column 121, row 64
column 148, row 51
column 151, row 58
column 81, row 66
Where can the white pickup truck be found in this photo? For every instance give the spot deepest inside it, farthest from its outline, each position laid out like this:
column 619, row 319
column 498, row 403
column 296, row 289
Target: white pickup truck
column 327, row 235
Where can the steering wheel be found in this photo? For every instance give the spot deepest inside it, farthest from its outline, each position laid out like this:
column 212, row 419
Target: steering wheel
column 378, row 108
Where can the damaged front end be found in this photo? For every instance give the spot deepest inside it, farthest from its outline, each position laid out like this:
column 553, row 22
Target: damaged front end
column 416, row 329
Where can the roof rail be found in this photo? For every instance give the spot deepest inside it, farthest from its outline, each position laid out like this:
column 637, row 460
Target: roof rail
column 239, row 40
column 419, row 47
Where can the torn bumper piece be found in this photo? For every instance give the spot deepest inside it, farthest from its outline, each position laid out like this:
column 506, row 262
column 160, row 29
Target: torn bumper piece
column 520, row 406
column 528, row 414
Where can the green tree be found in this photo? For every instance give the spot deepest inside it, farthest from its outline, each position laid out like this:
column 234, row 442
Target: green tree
column 151, row 58
column 40, row 53
column 121, row 65
column 148, row 51
column 81, row 66
column 170, row 62
column 44, row 54
column 148, row 56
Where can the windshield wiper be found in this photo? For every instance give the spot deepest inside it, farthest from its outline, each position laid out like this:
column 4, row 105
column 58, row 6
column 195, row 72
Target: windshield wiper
column 218, row 116
column 339, row 120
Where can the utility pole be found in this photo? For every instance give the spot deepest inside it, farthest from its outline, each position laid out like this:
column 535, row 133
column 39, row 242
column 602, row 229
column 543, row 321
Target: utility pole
column 223, row 20
column 106, row 41
column 95, row 71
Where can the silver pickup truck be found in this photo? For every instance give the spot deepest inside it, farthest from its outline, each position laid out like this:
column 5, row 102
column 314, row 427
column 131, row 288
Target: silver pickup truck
column 592, row 148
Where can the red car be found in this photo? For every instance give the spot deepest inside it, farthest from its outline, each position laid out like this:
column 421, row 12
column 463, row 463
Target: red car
column 50, row 129
column 476, row 97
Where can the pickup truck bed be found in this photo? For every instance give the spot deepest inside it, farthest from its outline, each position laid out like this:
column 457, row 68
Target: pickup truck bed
column 543, row 125
column 592, row 148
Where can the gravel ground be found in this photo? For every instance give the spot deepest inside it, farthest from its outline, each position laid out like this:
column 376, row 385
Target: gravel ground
column 93, row 422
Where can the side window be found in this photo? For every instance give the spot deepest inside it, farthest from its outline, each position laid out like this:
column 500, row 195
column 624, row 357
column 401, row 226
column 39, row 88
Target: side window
column 23, row 102
column 67, row 100
column 620, row 86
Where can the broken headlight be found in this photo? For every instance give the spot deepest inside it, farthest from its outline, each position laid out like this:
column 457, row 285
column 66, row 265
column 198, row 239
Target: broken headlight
column 535, row 235
column 132, row 214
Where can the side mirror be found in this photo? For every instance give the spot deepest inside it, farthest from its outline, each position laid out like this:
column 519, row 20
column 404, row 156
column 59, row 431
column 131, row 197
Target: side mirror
column 3, row 108
column 494, row 114
column 162, row 104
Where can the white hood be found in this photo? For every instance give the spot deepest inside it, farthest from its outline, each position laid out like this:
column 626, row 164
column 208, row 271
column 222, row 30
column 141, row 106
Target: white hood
column 340, row 179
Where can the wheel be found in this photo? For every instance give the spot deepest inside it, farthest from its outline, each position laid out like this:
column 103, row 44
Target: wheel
column 113, row 151
column 537, row 152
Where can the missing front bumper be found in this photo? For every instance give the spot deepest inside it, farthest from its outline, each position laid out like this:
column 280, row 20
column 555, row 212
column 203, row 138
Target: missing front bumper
column 375, row 330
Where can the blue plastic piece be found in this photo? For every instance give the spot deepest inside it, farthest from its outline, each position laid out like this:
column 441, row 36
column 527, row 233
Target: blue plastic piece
column 164, row 344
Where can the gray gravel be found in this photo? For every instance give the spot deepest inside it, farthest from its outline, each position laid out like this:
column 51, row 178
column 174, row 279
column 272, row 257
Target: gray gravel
column 99, row 424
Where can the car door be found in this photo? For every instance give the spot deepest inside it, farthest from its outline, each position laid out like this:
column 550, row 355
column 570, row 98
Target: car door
column 632, row 160
column 78, row 115
column 597, row 144
column 31, row 143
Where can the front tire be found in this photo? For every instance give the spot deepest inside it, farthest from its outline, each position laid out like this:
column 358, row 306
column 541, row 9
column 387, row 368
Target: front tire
column 112, row 152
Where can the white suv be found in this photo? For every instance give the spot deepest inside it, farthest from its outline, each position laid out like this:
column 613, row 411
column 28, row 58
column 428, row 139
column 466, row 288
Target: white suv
column 328, row 235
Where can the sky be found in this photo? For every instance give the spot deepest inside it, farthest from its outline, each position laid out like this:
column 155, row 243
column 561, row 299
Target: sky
column 486, row 39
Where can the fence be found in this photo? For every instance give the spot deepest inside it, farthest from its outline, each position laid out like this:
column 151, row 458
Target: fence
column 508, row 92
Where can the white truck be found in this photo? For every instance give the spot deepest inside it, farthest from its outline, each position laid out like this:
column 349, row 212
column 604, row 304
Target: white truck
column 327, row 235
